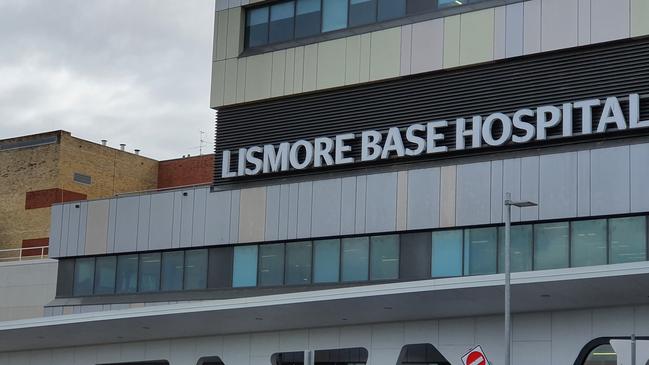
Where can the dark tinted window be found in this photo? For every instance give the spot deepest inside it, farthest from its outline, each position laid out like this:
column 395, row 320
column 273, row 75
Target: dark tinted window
column 271, row 264
column 362, row 12
column 257, row 27
column 172, row 270
column 334, row 15
column 602, row 355
column 196, row 269
column 298, row 263
column 288, row 358
column 84, row 272
column 424, row 353
column 307, row 20
column 350, row 356
column 450, row 3
column 105, row 275
column 281, row 22
column 420, row 6
column 149, row 272
column 126, row 274
column 391, row 9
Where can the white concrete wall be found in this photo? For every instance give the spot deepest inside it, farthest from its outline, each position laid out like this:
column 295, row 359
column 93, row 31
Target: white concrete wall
column 25, row 287
column 548, row 338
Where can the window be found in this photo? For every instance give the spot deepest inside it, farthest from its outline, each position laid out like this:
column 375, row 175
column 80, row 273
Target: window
column 414, row 256
column 126, row 274
column 521, row 248
column 84, row 272
column 602, row 355
column 355, row 258
column 588, row 243
column 149, row 272
column 334, row 15
column 384, row 263
column 628, row 239
column 81, row 178
column 281, row 22
column 172, row 270
column 420, row 6
column 288, row 358
column 351, row 356
column 298, row 263
column 245, row 266
column 105, row 275
column 362, row 12
column 450, row 3
column 480, row 251
column 326, row 261
column 391, row 9
column 307, row 19
column 271, row 264
column 257, row 27
column 447, row 253
column 423, row 353
column 195, row 269
column 551, row 246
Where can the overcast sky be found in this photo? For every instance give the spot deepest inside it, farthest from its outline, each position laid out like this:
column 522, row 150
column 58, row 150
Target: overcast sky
column 129, row 71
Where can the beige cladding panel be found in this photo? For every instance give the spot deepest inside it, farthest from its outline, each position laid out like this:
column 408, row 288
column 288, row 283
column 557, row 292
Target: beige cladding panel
column 364, row 68
column 230, row 90
column 310, row 67
column 97, row 227
column 258, row 76
column 402, row 200
column 252, row 215
column 353, row 60
column 639, row 18
column 235, row 32
column 477, row 37
column 221, row 36
column 218, row 83
column 452, row 41
column 331, row 63
column 447, row 196
column 278, row 74
column 385, row 54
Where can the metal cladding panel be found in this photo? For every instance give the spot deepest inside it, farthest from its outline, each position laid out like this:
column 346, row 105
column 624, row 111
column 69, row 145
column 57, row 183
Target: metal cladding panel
column 612, row 69
column 55, row 231
column 126, row 228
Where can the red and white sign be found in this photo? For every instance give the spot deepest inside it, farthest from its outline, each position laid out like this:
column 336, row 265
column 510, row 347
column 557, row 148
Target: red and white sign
column 475, row 357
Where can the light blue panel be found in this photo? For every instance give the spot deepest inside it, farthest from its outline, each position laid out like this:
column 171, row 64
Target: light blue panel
column 144, row 215
column 217, row 217
column 381, row 202
column 610, row 187
column 639, row 177
column 161, row 219
column 112, row 215
column 177, row 219
column 198, row 221
column 234, row 215
column 83, row 220
column 271, row 232
column 361, row 197
column 512, row 183
column 126, row 228
column 497, row 191
column 304, row 205
column 325, row 220
column 186, row 218
column 284, row 198
column 583, row 183
column 56, row 222
column 530, row 186
column 514, row 30
column 473, row 201
column 348, row 208
column 423, row 198
column 73, row 229
column 558, row 183
column 292, row 211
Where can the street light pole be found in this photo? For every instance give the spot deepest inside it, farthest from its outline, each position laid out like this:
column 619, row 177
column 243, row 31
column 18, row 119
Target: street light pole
column 508, row 258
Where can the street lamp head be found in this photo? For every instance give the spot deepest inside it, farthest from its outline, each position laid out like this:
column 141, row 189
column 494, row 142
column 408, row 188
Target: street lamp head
column 524, row 204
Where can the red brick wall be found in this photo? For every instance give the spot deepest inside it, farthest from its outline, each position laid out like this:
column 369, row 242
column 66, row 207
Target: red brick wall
column 45, row 198
column 35, row 242
column 185, row 171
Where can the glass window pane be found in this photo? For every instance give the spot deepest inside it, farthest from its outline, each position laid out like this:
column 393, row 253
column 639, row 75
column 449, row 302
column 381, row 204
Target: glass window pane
column 298, row 263
column 281, row 22
column 588, row 243
column 105, row 274
column 245, row 266
column 628, row 238
column 450, row 3
column 602, row 355
column 355, row 258
column 326, row 261
column 257, row 26
column 521, row 248
column 149, row 272
column 307, row 19
column 420, row 6
column 84, row 276
column 384, row 257
column 196, row 269
column 271, row 264
column 447, row 254
column 550, row 246
column 362, row 12
column 334, row 15
column 126, row 281
column 480, row 251
column 391, row 9
column 172, row 270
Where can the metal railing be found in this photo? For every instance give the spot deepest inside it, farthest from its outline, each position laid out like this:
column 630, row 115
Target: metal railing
column 24, row 253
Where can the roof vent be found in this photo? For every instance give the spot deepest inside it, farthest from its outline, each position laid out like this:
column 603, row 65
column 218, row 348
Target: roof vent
column 104, row 142
column 122, row 146
column 137, row 151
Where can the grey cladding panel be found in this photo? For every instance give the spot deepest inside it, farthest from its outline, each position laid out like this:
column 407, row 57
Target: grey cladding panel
column 381, row 202
column 126, row 228
column 271, row 232
column 112, row 211
column 55, row 231
column 235, row 203
column 497, row 191
column 326, row 207
column 473, row 194
column 558, row 195
column 305, row 199
column 512, row 183
column 292, row 211
column 514, row 30
column 198, row 221
column 143, row 223
column 423, row 198
column 610, row 184
column 73, row 229
column 640, row 178
column 217, row 217
column 83, row 223
column 283, row 221
column 162, row 209
column 530, row 186
column 361, row 197
column 177, row 217
column 186, row 217
column 348, row 205
column 583, row 183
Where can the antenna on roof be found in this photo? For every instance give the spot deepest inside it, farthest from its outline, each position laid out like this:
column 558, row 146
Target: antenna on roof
column 200, row 147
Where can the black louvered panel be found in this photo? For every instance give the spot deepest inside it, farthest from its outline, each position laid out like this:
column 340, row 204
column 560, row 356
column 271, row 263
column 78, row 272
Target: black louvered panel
column 613, row 69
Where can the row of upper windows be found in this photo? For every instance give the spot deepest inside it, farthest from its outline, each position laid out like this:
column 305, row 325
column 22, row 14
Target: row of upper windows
column 406, row 256
column 298, row 19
